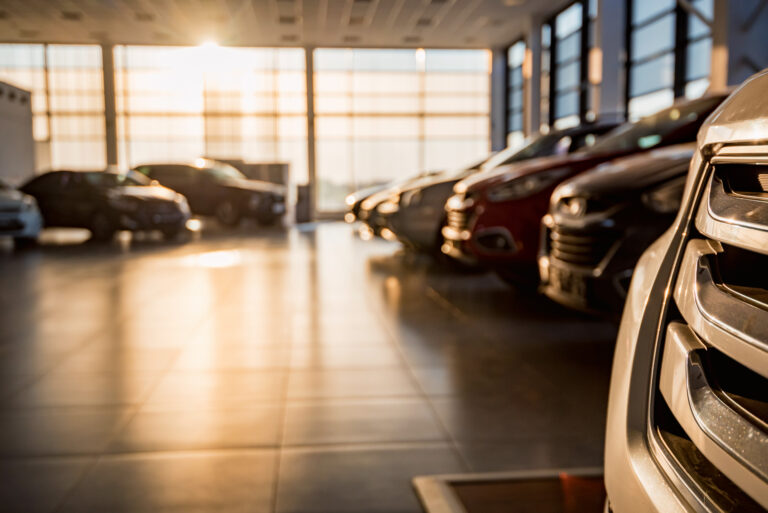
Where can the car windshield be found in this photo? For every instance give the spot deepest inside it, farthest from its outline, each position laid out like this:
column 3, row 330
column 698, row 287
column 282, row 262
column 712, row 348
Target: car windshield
column 110, row 179
column 540, row 146
column 651, row 130
column 223, row 171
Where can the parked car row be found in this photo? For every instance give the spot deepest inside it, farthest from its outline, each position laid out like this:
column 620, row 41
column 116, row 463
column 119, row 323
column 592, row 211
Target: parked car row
column 570, row 212
column 158, row 197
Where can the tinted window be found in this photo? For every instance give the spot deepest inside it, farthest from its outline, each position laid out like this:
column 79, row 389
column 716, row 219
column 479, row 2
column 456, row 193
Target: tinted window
column 100, row 179
column 651, row 130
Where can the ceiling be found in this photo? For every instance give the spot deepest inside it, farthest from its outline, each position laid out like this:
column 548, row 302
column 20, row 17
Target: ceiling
column 349, row 23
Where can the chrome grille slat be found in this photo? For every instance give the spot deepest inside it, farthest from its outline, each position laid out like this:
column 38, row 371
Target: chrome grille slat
column 733, row 219
column 736, row 446
column 734, row 326
column 580, row 248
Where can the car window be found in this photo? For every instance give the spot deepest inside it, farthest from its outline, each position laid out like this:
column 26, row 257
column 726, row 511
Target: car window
column 223, row 171
column 652, row 130
column 102, row 179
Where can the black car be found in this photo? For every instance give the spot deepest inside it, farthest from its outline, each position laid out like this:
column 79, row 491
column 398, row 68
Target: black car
column 107, row 201
column 600, row 222
column 218, row 189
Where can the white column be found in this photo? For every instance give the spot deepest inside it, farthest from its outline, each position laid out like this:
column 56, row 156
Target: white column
column 532, row 79
column 110, row 114
column 311, row 169
column 498, row 99
column 611, row 43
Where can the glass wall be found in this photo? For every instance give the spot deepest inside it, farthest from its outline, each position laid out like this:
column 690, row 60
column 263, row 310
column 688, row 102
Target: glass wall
column 179, row 103
column 515, row 97
column 669, row 54
column 566, row 70
column 67, row 88
column 387, row 114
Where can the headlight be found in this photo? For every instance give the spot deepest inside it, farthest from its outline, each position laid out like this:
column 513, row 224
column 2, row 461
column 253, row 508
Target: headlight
column 525, row 185
column 28, row 203
column 350, row 200
column 666, row 198
column 576, row 206
column 388, row 207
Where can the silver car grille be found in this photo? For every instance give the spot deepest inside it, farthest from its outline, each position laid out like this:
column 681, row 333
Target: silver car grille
column 712, row 390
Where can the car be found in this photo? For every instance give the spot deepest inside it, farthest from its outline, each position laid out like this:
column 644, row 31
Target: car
column 19, row 216
column 107, row 201
column 219, row 189
column 686, row 426
column 355, row 200
column 601, row 221
column 495, row 218
column 368, row 212
column 417, row 213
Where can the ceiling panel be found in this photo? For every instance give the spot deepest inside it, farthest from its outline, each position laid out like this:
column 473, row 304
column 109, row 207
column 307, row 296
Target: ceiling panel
column 373, row 23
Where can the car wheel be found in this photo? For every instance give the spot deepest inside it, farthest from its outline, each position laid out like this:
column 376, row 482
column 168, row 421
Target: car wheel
column 102, row 227
column 227, row 214
column 172, row 233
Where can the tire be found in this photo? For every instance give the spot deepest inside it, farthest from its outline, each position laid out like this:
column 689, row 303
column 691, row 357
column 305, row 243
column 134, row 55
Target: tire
column 228, row 214
column 172, row 233
column 102, row 227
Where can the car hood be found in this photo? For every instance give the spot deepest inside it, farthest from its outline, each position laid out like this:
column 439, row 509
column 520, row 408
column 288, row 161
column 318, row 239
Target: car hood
column 11, row 197
column 143, row 192
column 485, row 179
column 439, row 179
column 629, row 174
column 253, row 185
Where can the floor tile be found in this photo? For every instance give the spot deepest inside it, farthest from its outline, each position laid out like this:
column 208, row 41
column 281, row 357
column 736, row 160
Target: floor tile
column 189, row 390
column 358, row 480
column 350, row 422
column 226, row 482
column 349, row 383
column 38, row 485
column 203, row 428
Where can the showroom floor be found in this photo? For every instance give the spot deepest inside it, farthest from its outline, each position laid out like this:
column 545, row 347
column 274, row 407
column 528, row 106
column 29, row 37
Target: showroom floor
column 299, row 372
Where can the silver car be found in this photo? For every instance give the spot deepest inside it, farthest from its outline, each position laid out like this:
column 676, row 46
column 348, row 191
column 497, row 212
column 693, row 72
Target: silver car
column 688, row 411
column 19, row 216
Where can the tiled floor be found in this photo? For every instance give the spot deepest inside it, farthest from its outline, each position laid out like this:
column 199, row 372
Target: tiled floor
column 298, row 372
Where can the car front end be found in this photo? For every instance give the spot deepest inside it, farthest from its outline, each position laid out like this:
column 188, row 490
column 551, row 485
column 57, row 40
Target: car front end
column 601, row 221
column 19, row 216
column 686, row 427
column 148, row 208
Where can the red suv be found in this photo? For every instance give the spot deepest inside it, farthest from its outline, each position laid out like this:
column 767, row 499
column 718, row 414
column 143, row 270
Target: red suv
column 494, row 218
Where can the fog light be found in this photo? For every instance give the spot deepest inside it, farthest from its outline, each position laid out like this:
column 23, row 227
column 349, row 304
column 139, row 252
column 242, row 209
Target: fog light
column 388, row 234
column 349, row 217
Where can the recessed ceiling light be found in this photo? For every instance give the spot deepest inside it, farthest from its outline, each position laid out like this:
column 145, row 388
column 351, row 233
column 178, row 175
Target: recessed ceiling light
column 71, row 15
column 356, row 20
column 424, row 22
column 287, row 20
column 351, row 39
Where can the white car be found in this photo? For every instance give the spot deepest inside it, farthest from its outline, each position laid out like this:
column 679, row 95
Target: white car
column 687, row 422
column 19, row 216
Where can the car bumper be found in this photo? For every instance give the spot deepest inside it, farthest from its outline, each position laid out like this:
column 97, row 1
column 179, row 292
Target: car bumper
column 21, row 224
column 153, row 220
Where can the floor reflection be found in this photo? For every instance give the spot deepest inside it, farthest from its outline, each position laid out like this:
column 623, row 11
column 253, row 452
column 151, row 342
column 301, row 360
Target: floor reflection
column 287, row 371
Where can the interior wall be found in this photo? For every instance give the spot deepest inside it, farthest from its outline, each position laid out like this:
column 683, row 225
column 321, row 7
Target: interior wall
column 17, row 146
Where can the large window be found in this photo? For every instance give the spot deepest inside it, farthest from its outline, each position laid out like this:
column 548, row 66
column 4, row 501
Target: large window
column 66, row 82
column 566, row 41
column 179, row 103
column 515, row 93
column 669, row 51
column 386, row 114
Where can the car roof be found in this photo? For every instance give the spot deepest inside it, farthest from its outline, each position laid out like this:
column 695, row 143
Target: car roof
column 742, row 117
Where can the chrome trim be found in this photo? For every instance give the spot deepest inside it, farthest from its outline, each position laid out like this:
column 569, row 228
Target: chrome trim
column 737, row 447
column 734, row 219
column 723, row 318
